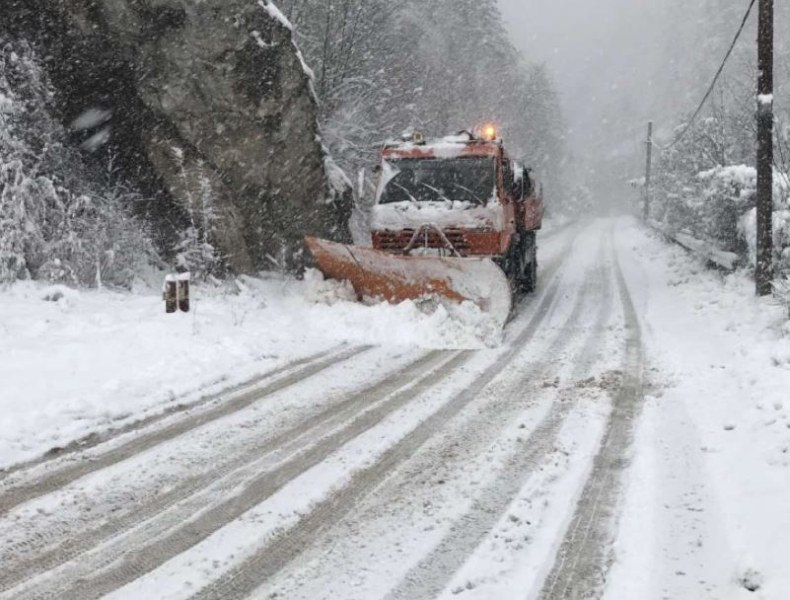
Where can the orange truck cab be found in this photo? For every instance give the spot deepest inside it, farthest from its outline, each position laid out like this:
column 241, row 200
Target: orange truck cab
column 454, row 218
column 458, row 196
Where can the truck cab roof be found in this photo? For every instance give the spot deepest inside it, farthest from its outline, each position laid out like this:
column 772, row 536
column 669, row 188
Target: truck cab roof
column 455, row 146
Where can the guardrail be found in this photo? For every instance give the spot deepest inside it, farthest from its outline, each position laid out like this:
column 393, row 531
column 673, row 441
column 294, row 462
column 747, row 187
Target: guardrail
column 726, row 261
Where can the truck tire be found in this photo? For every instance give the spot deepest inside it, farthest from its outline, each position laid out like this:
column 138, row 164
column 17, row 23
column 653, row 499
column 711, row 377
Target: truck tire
column 529, row 278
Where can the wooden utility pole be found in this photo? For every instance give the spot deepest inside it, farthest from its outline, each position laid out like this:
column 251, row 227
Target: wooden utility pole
column 764, row 272
column 648, row 171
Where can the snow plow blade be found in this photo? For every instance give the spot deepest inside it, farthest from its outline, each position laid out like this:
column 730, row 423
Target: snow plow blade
column 396, row 278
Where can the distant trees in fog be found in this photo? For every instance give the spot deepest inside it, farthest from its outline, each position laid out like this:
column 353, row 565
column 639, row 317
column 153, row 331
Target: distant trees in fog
column 705, row 183
column 382, row 67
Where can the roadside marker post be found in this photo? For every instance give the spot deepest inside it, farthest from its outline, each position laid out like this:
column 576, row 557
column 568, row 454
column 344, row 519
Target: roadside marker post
column 170, row 294
column 183, row 292
column 176, row 292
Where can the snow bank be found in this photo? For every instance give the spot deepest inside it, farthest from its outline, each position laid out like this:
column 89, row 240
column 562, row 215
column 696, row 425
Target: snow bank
column 706, row 510
column 74, row 362
column 424, row 323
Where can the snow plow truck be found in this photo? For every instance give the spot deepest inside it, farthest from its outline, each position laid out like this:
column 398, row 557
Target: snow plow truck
column 454, row 217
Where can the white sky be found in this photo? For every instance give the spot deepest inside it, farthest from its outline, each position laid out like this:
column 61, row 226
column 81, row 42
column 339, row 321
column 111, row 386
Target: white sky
column 603, row 55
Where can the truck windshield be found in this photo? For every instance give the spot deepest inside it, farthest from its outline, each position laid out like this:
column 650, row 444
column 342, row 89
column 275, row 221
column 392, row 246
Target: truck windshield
column 469, row 179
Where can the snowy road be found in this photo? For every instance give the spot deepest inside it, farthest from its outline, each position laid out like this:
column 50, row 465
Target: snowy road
column 362, row 473
column 322, row 481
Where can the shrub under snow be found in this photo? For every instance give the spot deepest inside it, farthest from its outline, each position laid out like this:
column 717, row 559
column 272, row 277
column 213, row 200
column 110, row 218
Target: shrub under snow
column 719, row 205
column 57, row 222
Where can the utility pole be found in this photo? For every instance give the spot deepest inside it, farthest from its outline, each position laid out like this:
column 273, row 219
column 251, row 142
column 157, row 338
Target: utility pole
column 764, row 272
column 648, row 171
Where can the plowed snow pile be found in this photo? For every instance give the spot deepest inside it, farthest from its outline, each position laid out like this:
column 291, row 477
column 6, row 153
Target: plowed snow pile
column 425, row 323
column 73, row 362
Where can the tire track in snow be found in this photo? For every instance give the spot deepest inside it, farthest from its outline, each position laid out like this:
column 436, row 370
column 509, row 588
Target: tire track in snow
column 430, row 576
column 54, row 480
column 97, row 438
column 256, row 458
column 584, row 556
column 73, row 548
column 252, row 573
column 132, row 560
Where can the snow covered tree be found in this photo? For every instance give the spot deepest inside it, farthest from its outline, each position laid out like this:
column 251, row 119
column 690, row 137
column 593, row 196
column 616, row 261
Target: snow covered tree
column 58, row 221
column 705, row 183
column 439, row 67
column 195, row 251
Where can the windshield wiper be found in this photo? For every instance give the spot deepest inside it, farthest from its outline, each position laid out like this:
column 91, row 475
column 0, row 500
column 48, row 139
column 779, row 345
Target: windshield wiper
column 438, row 192
column 408, row 193
column 471, row 193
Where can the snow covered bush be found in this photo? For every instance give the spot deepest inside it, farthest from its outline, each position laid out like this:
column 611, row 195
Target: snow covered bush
column 747, row 221
column 704, row 180
column 195, row 252
column 691, row 190
column 725, row 195
column 704, row 187
column 58, row 221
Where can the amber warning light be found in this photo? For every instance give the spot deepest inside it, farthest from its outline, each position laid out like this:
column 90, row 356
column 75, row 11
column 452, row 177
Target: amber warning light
column 489, row 132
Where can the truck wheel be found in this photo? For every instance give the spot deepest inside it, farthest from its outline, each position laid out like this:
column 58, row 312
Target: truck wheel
column 529, row 277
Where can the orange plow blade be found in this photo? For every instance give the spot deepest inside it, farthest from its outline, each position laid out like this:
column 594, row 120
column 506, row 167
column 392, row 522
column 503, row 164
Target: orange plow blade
column 396, row 278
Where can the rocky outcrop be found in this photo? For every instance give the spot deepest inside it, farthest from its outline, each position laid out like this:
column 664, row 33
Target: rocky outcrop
column 207, row 105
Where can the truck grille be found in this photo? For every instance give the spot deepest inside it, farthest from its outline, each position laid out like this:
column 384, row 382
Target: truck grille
column 396, row 241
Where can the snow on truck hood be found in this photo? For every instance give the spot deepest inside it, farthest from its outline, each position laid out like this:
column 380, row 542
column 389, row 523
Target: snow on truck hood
column 410, row 215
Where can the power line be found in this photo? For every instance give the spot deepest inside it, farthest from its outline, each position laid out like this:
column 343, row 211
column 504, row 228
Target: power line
column 715, row 79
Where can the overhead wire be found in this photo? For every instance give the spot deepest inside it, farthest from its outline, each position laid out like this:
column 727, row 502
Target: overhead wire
column 714, row 82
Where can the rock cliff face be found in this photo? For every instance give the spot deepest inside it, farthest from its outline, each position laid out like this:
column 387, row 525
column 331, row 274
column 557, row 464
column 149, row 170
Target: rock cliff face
column 207, row 106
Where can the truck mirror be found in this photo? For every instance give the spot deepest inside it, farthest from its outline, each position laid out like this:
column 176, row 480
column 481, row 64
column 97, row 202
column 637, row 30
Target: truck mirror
column 360, row 189
column 518, row 190
column 528, row 183
column 518, row 184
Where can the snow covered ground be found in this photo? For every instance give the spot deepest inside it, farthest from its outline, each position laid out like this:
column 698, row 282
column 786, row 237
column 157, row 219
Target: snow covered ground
column 707, row 507
column 627, row 436
column 72, row 362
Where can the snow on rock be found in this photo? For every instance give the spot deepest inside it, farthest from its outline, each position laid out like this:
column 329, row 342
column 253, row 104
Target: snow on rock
column 338, row 180
column 276, row 13
column 6, row 104
column 90, row 118
column 192, row 127
column 75, row 362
